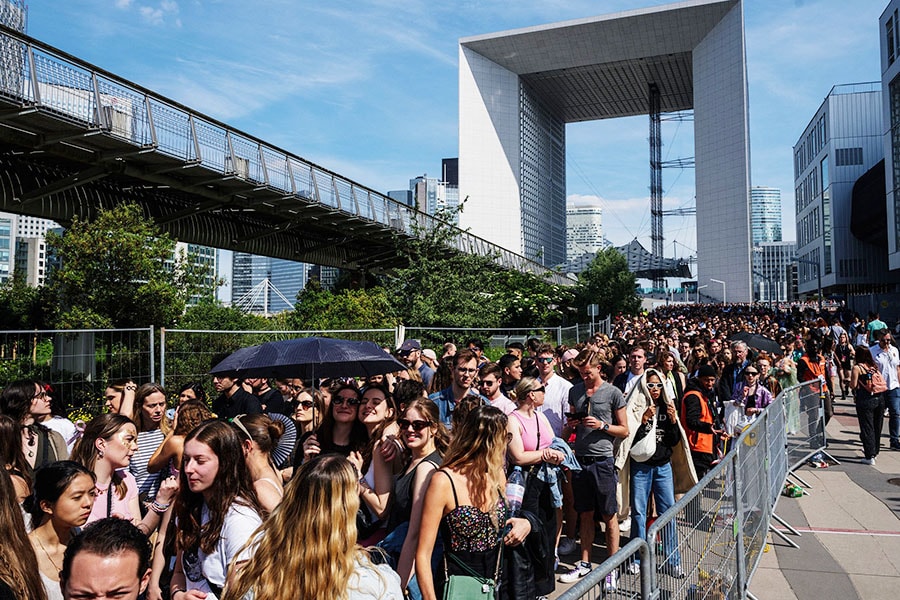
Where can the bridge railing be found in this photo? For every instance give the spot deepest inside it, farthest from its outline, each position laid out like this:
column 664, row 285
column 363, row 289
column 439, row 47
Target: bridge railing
column 39, row 76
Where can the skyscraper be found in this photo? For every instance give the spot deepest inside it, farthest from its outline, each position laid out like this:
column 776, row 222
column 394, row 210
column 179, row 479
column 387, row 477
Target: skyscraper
column 765, row 215
column 584, row 231
column 249, row 290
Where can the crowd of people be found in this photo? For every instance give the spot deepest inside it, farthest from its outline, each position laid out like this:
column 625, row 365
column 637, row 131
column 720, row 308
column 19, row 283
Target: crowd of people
column 405, row 484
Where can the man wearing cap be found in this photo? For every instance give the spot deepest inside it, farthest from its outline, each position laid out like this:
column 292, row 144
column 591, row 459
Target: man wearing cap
column 410, row 352
column 701, row 419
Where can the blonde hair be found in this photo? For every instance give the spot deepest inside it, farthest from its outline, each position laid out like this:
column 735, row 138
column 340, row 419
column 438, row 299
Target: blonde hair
column 477, row 450
column 307, row 548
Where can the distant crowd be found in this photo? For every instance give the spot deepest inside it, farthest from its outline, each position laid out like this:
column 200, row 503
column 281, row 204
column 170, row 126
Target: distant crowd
column 418, row 482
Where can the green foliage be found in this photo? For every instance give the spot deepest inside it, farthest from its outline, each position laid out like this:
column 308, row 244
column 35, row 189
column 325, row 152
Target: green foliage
column 608, row 283
column 22, row 306
column 528, row 300
column 318, row 308
column 116, row 271
column 210, row 314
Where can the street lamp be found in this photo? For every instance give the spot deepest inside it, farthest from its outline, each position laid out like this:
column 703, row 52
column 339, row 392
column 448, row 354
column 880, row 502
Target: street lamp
column 700, row 287
column 818, row 275
column 724, row 296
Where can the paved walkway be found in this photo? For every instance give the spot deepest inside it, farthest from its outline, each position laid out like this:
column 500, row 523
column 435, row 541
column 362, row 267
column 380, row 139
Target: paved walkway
column 850, row 525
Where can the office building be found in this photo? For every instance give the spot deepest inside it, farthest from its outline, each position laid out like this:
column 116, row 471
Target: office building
column 431, row 195
column 765, row 215
column 584, row 231
column 890, row 88
column 198, row 257
column 774, row 271
column 265, row 285
column 519, row 89
column 7, row 246
column 839, row 151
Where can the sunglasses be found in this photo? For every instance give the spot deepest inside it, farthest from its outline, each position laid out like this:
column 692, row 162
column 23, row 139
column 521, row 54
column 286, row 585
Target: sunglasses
column 545, row 359
column 340, row 400
column 751, row 372
column 654, row 386
column 417, row 425
column 306, row 404
column 539, row 389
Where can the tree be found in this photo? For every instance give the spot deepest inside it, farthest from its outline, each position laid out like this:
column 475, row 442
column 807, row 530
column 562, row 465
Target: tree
column 118, row 271
column 440, row 286
column 318, row 308
column 608, row 283
column 22, row 306
column 528, row 300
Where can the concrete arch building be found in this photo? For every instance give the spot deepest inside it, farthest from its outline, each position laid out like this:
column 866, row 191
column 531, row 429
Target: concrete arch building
column 518, row 90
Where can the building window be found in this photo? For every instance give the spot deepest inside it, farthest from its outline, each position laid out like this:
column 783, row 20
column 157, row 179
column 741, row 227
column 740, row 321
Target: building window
column 894, row 98
column 889, row 35
column 846, row 157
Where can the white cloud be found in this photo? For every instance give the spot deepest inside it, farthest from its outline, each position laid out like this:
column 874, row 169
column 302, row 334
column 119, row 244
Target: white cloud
column 159, row 13
column 123, row 3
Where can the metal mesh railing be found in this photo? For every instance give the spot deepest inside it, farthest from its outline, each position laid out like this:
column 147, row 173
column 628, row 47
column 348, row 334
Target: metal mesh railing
column 77, row 363
column 709, row 544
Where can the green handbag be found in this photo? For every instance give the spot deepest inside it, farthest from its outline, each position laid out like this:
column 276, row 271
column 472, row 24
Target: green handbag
column 472, row 586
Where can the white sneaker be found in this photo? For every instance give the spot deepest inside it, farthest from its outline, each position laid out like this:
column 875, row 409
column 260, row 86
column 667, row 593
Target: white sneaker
column 611, row 582
column 625, row 525
column 566, row 546
column 581, row 569
column 868, row 461
column 633, row 568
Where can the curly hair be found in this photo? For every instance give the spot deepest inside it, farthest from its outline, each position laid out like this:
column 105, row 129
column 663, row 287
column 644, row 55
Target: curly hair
column 232, row 485
column 308, row 547
column 190, row 414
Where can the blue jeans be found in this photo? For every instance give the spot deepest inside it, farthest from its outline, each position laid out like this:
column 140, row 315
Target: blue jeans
column 892, row 401
column 645, row 479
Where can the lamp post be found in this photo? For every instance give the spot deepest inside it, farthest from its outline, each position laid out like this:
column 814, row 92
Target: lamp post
column 724, row 296
column 700, row 287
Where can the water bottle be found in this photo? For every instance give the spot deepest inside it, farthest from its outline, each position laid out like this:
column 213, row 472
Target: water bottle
column 515, row 491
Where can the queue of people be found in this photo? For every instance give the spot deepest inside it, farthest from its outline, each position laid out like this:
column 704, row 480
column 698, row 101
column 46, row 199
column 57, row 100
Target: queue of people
column 398, row 485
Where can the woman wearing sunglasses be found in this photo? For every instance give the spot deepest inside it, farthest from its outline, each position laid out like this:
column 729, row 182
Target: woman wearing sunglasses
column 427, row 439
column 531, row 436
column 341, row 432
column 664, row 473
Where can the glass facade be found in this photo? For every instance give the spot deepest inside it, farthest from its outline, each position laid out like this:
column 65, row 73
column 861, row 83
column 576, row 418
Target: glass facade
column 542, row 169
column 765, row 215
column 249, row 290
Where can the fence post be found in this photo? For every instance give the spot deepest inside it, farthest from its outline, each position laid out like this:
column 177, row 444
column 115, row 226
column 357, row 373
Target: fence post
column 152, row 356
column 162, row 356
column 559, row 335
column 737, row 523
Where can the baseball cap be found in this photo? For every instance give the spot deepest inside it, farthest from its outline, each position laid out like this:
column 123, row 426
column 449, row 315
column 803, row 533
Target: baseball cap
column 410, row 345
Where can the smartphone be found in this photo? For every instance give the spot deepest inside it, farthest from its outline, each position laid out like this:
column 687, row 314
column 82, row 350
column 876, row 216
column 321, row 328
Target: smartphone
column 576, row 416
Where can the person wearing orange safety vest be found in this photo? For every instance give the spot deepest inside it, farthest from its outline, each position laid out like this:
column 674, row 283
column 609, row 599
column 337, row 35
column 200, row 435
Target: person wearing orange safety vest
column 701, row 419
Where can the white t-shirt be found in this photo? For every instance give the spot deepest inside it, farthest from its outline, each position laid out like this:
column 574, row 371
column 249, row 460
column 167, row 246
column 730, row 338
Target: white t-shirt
column 556, row 402
column 374, row 581
column 238, row 527
column 887, row 361
column 65, row 428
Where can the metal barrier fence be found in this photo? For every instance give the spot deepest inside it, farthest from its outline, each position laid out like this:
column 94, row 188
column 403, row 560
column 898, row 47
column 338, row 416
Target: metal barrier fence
column 78, row 363
column 188, row 354
column 709, row 544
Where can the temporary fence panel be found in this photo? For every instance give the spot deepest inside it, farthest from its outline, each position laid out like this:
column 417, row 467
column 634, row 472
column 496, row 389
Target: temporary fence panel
column 491, row 337
column 805, row 422
column 77, row 363
column 709, row 544
column 187, row 355
column 630, row 566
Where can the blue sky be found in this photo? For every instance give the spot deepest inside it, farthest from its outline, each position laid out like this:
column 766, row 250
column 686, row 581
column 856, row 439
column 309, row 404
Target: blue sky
column 368, row 88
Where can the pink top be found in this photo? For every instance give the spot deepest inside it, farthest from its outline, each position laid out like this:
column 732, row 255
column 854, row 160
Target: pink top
column 529, row 428
column 119, row 507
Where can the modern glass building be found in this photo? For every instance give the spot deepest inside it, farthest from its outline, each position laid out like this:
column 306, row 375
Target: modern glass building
column 7, row 246
column 265, row 285
column 765, row 215
column 890, row 88
column 774, row 272
column 842, row 143
column 584, row 231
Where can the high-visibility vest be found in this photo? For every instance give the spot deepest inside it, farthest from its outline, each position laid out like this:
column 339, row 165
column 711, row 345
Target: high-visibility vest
column 698, row 440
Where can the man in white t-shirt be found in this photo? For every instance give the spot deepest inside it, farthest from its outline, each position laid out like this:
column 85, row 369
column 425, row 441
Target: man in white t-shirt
column 887, row 358
column 556, row 389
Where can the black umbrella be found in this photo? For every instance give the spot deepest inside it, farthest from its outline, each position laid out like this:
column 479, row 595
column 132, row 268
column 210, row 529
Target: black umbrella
column 309, row 358
column 758, row 342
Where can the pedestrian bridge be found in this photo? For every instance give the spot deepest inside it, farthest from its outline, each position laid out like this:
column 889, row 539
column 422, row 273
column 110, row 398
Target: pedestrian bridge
column 75, row 138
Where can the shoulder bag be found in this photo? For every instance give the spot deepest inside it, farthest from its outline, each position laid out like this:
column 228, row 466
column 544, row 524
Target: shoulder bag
column 471, row 586
column 645, row 448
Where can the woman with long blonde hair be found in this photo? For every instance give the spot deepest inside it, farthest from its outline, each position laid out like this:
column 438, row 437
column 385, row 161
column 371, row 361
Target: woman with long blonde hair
column 307, row 548
column 465, row 500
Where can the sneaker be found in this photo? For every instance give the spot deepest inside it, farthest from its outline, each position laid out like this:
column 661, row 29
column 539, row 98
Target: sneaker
column 566, row 546
column 868, row 461
column 626, row 524
column 581, row 569
column 895, row 446
column 633, row 568
column 677, row 572
column 611, row 582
